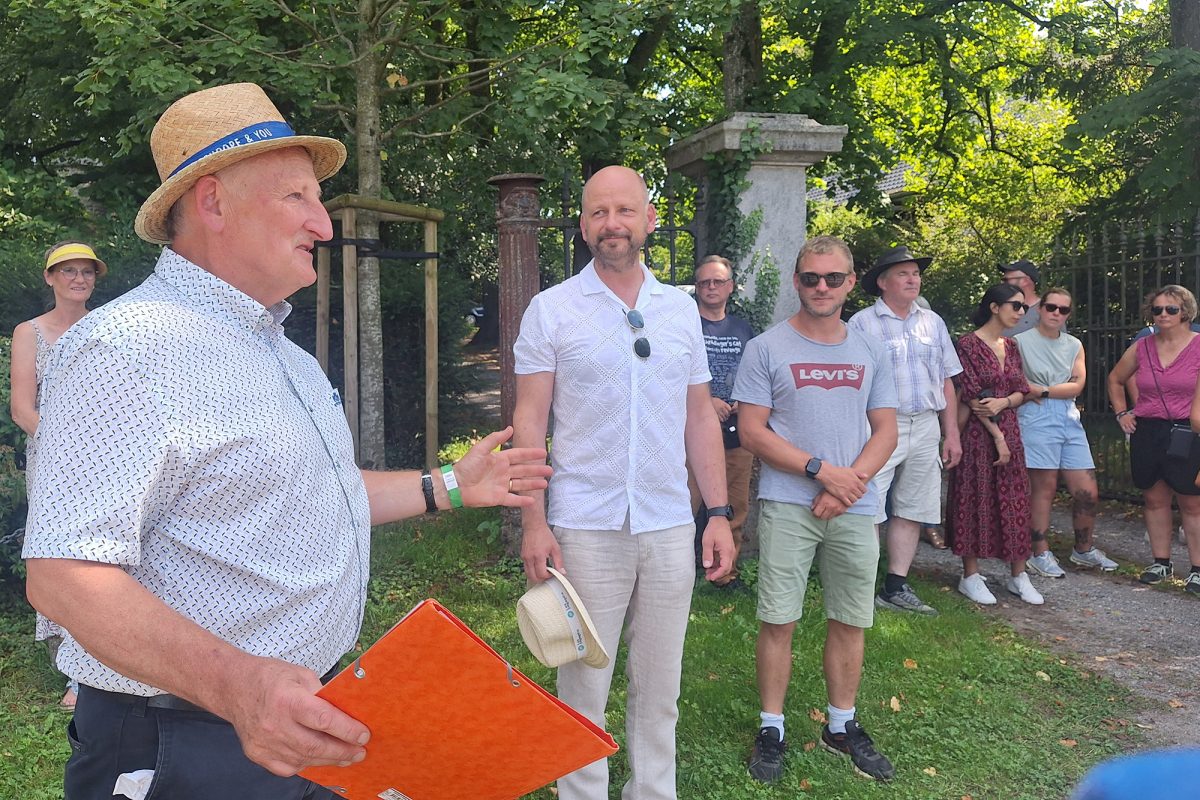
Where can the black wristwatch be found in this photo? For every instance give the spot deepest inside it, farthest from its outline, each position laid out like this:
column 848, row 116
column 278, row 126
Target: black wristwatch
column 813, row 467
column 721, row 511
column 1045, row 393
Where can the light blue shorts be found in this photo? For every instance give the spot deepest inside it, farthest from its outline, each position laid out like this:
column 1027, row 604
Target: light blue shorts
column 1053, row 435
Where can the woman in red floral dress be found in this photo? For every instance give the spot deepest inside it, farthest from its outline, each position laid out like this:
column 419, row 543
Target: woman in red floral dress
column 987, row 509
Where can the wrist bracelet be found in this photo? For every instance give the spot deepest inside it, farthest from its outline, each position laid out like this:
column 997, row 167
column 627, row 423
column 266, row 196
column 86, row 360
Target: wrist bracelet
column 1123, row 413
column 452, row 489
column 427, row 489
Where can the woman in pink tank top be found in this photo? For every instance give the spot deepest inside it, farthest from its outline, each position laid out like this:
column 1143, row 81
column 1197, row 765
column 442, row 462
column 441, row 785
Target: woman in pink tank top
column 1166, row 368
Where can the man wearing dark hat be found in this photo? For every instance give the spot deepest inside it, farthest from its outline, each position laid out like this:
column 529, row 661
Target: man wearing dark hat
column 1024, row 275
column 196, row 520
column 923, row 361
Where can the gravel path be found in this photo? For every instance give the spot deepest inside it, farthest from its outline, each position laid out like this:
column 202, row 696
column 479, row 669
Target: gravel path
column 1147, row 639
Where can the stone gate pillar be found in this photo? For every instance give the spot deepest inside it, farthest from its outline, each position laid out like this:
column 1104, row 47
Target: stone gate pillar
column 777, row 183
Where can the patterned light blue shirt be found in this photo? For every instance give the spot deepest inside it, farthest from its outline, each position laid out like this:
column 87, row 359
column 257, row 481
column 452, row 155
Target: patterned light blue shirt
column 185, row 439
column 922, row 354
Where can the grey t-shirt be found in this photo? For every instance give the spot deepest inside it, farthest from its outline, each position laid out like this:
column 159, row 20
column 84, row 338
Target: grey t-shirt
column 819, row 395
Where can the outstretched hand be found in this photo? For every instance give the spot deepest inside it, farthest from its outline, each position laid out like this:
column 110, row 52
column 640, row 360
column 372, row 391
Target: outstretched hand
column 488, row 476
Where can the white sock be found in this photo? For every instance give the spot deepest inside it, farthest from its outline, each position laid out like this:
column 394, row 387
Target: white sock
column 772, row 721
column 838, row 717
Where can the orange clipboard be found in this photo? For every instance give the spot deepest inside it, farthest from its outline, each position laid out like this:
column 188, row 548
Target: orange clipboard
column 452, row 720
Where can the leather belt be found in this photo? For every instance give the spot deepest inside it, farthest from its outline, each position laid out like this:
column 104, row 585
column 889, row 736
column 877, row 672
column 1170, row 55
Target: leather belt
column 169, row 702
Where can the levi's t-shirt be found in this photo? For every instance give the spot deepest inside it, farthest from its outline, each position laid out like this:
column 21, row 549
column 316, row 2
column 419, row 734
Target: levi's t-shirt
column 819, row 395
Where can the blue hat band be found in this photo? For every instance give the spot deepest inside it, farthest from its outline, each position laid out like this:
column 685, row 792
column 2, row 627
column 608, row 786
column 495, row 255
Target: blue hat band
column 251, row 134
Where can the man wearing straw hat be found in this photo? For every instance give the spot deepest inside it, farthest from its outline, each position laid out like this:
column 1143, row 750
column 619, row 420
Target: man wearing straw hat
column 197, row 522
column 621, row 360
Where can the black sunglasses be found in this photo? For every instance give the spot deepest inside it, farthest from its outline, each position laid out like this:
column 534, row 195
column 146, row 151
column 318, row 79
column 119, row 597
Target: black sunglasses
column 641, row 345
column 1171, row 310
column 833, row 280
column 1016, row 304
column 713, row 283
column 1053, row 307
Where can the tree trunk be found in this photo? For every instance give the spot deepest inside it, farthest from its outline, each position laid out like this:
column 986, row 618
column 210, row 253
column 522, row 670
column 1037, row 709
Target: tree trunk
column 742, row 57
column 367, row 75
column 1185, row 32
column 1185, row 23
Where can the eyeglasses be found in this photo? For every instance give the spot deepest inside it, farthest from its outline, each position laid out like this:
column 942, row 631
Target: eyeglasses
column 833, row 280
column 712, row 283
column 641, row 345
column 1054, row 308
column 1170, row 310
column 73, row 273
column 1016, row 304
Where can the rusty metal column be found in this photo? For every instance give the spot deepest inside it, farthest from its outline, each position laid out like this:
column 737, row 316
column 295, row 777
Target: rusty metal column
column 517, row 220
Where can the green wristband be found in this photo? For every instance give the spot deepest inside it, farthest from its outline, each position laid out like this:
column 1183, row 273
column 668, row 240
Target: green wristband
column 452, row 489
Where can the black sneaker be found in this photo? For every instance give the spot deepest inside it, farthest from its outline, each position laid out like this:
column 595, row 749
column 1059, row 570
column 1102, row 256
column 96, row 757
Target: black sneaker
column 766, row 762
column 1192, row 584
column 855, row 742
column 1156, row 573
column 904, row 600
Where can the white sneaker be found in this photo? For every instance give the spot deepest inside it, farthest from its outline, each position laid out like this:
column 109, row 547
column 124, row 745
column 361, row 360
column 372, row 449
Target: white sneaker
column 974, row 588
column 1021, row 587
column 1046, row 565
column 1092, row 558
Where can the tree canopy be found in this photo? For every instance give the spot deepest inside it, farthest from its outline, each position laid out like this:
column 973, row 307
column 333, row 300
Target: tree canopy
column 1012, row 117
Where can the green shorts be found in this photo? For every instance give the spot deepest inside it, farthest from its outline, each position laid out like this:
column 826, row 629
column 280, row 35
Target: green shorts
column 789, row 536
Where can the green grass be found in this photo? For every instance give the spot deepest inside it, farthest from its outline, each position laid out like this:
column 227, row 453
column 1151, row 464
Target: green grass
column 981, row 712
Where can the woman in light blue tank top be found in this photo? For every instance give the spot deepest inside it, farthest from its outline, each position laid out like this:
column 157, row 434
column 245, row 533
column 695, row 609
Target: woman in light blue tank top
column 1055, row 442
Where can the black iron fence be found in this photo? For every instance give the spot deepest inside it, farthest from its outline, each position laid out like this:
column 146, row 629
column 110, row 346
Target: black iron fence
column 1109, row 271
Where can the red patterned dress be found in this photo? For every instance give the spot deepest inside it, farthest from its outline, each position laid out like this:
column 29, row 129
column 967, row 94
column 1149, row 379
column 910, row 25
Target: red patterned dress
column 987, row 508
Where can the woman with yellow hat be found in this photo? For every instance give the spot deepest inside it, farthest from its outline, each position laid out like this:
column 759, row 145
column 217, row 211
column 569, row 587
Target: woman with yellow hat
column 71, row 271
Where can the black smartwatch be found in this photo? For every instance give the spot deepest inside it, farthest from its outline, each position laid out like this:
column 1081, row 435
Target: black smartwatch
column 1045, row 393
column 813, row 467
column 721, row 511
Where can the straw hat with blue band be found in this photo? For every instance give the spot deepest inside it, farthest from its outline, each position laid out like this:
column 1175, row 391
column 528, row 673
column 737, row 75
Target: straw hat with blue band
column 555, row 625
column 71, row 251
column 208, row 130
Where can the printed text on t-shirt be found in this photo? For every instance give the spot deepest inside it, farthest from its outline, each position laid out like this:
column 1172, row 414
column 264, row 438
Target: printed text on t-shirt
column 828, row 376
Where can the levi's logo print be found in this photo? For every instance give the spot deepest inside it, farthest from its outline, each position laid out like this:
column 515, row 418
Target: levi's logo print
column 828, row 376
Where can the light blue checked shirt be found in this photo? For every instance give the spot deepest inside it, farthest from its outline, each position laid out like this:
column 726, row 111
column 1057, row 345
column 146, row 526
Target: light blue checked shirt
column 922, row 354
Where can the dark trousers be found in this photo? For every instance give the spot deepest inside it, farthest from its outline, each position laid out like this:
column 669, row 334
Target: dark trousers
column 195, row 755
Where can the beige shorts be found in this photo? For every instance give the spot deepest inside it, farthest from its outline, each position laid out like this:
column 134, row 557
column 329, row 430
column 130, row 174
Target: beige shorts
column 914, row 471
column 790, row 537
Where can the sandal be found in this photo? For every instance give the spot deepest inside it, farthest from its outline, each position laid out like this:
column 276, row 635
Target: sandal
column 933, row 535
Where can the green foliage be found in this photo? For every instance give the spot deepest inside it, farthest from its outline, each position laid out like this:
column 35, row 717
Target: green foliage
column 12, row 480
column 732, row 233
column 764, row 273
column 1153, row 133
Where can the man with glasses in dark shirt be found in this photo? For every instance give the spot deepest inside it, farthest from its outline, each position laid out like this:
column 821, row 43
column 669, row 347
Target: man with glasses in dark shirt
column 725, row 337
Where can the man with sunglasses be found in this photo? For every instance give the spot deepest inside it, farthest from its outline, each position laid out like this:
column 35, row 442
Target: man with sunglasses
column 725, row 338
column 817, row 403
column 1024, row 275
column 620, row 359
column 923, row 361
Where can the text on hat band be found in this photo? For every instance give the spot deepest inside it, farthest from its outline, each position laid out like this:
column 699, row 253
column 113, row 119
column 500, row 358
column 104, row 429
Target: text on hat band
column 568, row 609
column 258, row 132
